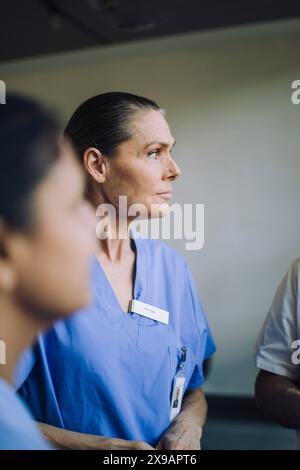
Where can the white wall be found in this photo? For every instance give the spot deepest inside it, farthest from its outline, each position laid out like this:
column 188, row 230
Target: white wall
column 227, row 94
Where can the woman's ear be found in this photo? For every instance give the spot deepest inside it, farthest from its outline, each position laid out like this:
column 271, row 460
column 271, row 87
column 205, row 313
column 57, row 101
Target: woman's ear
column 8, row 277
column 95, row 164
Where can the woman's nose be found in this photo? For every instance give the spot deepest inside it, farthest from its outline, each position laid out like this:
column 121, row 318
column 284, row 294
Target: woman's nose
column 173, row 171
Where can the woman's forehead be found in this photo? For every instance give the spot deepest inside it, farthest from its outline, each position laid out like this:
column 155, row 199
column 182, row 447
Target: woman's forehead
column 152, row 127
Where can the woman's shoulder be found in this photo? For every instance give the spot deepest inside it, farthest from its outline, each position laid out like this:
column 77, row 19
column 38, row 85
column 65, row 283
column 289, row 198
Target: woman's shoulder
column 159, row 250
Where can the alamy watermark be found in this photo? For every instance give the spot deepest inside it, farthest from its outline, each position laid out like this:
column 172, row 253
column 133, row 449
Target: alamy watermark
column 2, row 92
column 295, row 96
column 159, row 221
column 296, row 354
column 2, row 352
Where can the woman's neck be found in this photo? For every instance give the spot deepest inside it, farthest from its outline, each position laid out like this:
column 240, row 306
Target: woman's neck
column 112, row 231
column 117, row 244
column 18, row 331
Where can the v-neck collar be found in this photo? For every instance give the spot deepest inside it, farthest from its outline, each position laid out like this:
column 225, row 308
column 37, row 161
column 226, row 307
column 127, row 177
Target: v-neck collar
column 106, row 290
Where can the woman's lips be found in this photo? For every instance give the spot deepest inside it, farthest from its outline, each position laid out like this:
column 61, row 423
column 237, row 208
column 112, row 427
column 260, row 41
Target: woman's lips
column 166, row 194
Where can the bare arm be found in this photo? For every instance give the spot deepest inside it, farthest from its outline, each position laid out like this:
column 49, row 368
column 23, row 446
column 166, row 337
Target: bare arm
column 63, row 439
column 279, row 398
column 185, row 431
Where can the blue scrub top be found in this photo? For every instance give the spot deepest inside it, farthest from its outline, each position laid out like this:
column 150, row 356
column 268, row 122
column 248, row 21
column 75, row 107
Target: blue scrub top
column 108, row 373
column 18, row 431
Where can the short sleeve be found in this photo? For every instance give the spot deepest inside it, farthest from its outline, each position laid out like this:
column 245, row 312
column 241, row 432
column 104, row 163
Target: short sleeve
column 274, row 345
column 205, row 344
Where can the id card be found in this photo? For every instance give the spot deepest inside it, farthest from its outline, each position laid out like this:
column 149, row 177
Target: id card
column 177, row 396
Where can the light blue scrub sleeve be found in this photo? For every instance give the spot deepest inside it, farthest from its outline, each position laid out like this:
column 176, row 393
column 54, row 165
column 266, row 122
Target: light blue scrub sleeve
column 25, row 366
column 17, row 428
column 206, row 345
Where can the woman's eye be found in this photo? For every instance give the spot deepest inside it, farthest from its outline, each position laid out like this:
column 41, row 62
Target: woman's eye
column 154, row 155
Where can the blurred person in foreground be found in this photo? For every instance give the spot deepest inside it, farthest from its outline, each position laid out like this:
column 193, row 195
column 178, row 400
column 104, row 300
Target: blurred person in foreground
column 46, row 239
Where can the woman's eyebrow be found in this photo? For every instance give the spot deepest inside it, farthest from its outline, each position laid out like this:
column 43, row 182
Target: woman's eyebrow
column 163, row 144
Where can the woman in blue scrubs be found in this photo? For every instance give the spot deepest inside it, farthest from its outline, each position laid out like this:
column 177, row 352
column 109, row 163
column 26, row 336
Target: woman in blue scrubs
column 46, row 242
column 113, row 376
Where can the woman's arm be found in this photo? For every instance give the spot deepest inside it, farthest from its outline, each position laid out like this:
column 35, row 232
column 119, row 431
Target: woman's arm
column 279, row 398
column 63, row 439
column 185, row 431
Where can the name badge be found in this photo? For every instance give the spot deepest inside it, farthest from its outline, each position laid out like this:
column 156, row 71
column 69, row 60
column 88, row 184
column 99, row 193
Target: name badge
column 149, row 311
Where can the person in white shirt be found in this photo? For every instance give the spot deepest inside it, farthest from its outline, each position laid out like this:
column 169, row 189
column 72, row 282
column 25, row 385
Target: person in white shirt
column 277, row 385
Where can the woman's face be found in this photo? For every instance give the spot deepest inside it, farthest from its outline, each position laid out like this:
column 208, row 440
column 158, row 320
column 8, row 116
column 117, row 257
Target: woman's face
column 143, row 169
column 51, row 264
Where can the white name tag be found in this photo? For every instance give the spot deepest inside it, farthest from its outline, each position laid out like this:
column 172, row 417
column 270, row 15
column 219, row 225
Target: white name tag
column 149, row 311
column 177, row 396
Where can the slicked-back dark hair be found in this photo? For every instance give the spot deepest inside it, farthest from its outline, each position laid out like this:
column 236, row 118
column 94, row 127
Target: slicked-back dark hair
column 104, row 121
